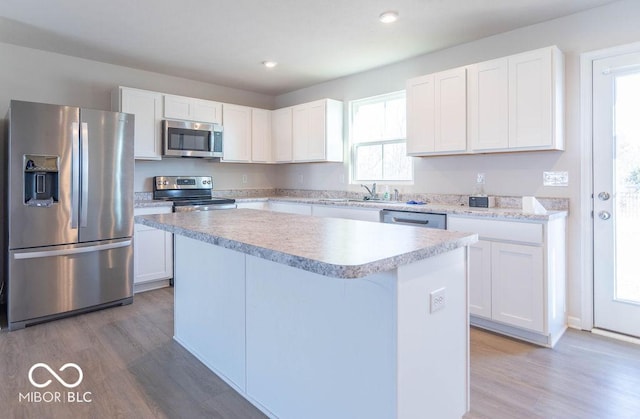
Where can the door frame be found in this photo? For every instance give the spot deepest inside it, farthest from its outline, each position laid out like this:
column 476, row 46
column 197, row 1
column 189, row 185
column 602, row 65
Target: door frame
column 586, row 270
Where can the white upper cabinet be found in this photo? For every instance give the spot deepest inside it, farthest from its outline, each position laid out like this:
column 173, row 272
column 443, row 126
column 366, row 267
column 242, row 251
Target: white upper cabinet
column 421, row 115
column 317, row 131
column 237, row 133
column 451, row 110
column 488, row 102
column 515, row 102
column 437, row 113
column 192, row 109
column 282, row 135
column 535, row 100
column 261, row 144
column 147, row 108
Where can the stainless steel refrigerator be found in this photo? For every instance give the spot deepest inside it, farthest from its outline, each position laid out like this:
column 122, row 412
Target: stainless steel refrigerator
column 69, row 210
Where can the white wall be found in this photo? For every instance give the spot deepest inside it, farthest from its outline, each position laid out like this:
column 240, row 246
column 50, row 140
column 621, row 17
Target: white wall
column 506, row 174
column 39, row 76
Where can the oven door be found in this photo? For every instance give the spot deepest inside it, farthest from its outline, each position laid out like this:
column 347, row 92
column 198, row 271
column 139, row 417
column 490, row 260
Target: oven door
column 191, row 139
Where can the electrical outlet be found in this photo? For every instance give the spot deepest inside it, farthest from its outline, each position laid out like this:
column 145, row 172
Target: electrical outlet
column 480, row 178
column 244, row 178
column 555, row 178
column 300, row 178
column 437, row 299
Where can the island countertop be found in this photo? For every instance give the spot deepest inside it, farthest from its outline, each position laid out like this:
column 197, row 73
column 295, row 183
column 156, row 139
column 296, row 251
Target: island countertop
column 332, row 247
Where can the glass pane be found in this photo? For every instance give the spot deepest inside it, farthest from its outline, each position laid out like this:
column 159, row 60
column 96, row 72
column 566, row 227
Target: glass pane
column 396, row 166
column 368, row 162
column 378, row 119
column 396, row 119
column 368, row 122
column 627, row 186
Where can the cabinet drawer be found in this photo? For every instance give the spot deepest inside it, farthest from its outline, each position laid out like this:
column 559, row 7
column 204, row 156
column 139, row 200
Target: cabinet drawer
column 512, row 231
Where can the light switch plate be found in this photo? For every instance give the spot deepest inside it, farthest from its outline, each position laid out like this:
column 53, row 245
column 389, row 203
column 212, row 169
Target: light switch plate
column 555, row 178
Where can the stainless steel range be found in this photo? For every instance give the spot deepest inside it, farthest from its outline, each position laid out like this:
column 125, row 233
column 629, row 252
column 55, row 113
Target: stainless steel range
column 190, row 193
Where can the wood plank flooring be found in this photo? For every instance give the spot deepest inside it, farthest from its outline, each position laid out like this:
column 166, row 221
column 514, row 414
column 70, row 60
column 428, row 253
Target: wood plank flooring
column 133, row 368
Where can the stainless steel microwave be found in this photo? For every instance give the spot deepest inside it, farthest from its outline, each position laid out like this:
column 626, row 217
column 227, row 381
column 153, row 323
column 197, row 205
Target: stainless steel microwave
column 191, row 139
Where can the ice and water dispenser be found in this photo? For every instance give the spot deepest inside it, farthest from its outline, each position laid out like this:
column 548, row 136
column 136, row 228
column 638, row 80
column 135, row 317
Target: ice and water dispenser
column 41, row 180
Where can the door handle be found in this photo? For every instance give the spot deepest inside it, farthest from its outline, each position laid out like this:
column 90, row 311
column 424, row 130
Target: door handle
column 604, row 196
column 75, row 173
column 85, row 175
column 604, row 215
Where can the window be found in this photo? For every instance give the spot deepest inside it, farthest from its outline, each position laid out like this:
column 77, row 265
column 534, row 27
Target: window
column 378, row 139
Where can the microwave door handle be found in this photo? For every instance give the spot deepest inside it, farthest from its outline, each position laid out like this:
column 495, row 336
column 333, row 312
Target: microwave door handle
column 75, row 173
column 85, row 175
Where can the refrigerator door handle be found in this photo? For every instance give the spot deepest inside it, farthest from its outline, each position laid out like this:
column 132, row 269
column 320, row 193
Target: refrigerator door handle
column 72, row 251
column 75, row 173
column 84, row 201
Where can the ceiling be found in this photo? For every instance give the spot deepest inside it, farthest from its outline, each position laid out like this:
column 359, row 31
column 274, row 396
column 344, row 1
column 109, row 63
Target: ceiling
column 224, row 42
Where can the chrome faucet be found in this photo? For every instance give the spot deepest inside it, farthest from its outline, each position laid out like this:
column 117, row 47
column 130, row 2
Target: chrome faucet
column 372, row 191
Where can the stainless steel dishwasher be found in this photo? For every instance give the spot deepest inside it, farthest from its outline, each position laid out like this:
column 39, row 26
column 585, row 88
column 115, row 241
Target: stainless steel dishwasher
column 414, row 218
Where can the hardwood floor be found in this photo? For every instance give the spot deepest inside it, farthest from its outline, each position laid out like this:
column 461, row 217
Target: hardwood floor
column 132, row 368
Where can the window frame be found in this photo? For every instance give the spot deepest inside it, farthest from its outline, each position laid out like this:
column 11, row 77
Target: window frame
column 353, row 145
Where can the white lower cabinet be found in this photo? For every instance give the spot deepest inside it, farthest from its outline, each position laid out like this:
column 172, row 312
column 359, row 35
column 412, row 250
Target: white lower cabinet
column 517, row 277
column 290, row 207
column 363, row 214
column 259, row 205
column 152, row 254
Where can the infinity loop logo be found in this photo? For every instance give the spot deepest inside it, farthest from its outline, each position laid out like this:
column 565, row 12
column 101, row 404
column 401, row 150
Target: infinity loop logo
column 56, row 376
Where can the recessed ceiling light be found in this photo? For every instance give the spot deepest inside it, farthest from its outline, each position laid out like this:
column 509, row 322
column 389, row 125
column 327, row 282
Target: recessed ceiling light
column 388, row 17
column 269, row 64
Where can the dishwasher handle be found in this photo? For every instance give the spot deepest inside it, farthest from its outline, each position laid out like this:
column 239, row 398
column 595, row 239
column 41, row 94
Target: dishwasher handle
column 409, row 221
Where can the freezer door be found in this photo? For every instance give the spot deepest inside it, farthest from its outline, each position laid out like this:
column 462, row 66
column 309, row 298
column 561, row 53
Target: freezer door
column 42, row 132
column 51, row 281
column 106, row 178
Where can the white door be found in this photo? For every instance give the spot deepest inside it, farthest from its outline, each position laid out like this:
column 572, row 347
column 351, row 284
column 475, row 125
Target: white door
column 616, row 183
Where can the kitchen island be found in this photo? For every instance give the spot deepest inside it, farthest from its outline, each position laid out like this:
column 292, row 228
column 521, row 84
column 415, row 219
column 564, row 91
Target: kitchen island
column 324, row 317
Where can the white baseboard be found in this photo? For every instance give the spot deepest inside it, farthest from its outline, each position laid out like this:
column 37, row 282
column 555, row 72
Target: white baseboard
column 618, row 336
column 574, row 322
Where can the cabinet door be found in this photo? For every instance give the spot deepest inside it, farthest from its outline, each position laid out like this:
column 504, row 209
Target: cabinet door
column 261, row 136
column 451, row 110
column 317, row 134
column 363, row 214
column 530, row 99
column 488, row 105
column 518, row 285
column 282, row 135
column 153, row 254
column 147, row 108
column 177, row 107
column 206, row 111
column 237, row 133
column 291, row 208
column 420, row 115
column 300, row 132
column 480, row 279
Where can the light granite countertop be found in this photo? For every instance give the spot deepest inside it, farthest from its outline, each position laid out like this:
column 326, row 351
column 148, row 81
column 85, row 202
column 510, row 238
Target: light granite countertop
column 497, row 213
column 501, row 213
column 328, row 246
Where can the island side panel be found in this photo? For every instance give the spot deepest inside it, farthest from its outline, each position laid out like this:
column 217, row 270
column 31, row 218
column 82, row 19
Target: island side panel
column 320, row 347
column 209, row 312
column 433, row 347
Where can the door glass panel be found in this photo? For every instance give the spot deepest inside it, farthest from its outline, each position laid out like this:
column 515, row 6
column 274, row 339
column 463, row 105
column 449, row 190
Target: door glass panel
column 627, row 186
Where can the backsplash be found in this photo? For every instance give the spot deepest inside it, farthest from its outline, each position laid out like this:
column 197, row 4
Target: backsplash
column 513, row 202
